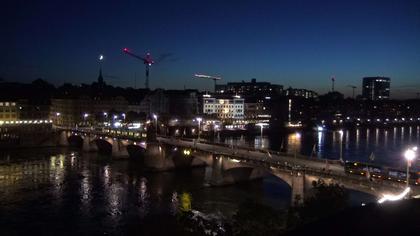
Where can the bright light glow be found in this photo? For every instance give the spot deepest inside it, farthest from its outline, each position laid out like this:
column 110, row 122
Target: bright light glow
column 207, row 77
column 320, row 128
column 58, row 114
column 235, row 160
column 101, row 57
column 341, row 132
column 117, row 124
column 155, row 116
column 391, row 197
column 85, row 115
column 105, row 114
column 414, row 148
column 410, row 154
column 134, row 126
column 298, row 135
column 261, row 124
column 199, row 119
column 187, row 152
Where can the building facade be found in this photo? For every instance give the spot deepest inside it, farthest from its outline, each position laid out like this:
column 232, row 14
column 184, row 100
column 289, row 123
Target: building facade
column 304, row 93
column 224, row 108
column 249, row 88
column 9, row 111
column 376, row 88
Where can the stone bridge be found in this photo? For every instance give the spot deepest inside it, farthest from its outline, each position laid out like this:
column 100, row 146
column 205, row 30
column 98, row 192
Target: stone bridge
column 228, row 165
column 118, row 147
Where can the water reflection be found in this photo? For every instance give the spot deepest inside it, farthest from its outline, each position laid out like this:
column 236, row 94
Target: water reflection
column 143, row 198
column 358, row 143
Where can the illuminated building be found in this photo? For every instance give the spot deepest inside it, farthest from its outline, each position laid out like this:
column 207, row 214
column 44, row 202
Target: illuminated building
column 376, row 88
column 249, row 88
column 224, row 108
column 8, row 111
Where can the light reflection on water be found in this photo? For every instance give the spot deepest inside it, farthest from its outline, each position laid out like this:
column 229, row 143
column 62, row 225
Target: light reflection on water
column 358, row 143
column 48, row 191
column 49, row 188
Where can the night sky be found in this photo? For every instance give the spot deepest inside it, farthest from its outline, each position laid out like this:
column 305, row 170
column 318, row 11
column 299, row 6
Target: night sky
column 294, row 43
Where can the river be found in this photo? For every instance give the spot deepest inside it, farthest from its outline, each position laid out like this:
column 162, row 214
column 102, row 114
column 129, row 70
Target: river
column 53, row 190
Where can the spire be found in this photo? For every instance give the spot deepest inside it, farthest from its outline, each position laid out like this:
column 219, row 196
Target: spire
column 100, row 78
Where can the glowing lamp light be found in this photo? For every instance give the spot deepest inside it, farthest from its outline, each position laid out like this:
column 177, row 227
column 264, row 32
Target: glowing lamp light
column 410, row 154
column 320, row 128
column 101, row 57
column 392, row 197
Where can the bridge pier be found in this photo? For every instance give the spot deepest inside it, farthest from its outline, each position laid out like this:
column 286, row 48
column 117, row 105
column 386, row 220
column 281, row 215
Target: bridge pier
column 119, row 150
column 63, row 139
column 88, row 144
column 226, row 171
column 156, row 158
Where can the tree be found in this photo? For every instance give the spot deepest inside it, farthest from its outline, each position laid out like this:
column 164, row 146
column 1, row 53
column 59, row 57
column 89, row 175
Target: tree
column 326, row 200
column 254, row 218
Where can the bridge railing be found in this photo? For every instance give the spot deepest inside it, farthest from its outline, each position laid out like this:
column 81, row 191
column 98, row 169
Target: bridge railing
column 264, row 151
column 105, row 134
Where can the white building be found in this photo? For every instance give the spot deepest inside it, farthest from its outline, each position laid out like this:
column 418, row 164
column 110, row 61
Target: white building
column 224, row 108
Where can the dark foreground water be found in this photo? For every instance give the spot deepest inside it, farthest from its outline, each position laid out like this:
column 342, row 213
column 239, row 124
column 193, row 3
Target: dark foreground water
column 55, row 192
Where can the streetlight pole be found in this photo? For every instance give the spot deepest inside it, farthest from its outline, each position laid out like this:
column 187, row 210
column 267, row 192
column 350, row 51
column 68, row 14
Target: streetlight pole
column 199, row 119
column 297, row 136
column 85, row 115
column 57, row 117
column 156, row 124
column 410, row 155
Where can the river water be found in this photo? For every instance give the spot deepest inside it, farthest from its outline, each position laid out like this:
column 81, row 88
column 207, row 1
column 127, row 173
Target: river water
column 64, row 191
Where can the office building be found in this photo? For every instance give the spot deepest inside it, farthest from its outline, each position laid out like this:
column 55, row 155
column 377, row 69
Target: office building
column 376, row 88
column 227, row 108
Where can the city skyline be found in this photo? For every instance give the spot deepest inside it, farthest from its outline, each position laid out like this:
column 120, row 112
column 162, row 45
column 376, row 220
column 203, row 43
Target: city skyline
column 299, row 44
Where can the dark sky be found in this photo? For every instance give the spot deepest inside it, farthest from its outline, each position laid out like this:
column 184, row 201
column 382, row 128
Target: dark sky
column 295, row 43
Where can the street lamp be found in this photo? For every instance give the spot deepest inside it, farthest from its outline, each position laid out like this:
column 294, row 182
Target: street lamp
column 410, row 155
column 199, row 119
column 341, row 144
column 156, row 126
column 297, row 136
column 56, row 117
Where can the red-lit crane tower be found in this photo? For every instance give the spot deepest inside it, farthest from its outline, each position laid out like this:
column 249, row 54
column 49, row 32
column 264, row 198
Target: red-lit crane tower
column 147, row 61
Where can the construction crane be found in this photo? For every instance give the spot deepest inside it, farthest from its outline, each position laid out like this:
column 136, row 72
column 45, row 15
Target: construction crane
column 214, row 78
column 332, row 83
column 147, row 61
column 353, row 88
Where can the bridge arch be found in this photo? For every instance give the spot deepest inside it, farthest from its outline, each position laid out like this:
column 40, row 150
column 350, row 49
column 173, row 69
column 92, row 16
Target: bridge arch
column 104, row 145
column 75, row 140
